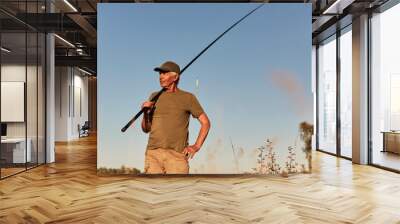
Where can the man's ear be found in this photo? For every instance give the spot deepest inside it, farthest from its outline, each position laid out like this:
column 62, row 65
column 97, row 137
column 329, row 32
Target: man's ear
column 176, row 77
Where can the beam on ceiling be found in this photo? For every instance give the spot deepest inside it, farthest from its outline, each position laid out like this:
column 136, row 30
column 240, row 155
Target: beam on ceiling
column 83, row 61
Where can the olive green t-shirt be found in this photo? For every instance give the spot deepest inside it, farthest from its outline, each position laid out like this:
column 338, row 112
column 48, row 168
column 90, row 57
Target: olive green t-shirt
column 169, row 128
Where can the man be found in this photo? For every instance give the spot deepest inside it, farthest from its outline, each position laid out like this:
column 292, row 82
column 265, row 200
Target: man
column 167, row 121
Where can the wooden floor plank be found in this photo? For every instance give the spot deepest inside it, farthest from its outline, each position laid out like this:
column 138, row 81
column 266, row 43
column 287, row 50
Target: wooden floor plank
column 70, row 191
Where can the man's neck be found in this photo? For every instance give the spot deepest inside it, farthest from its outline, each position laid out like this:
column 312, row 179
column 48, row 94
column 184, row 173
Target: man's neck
column 172, row 89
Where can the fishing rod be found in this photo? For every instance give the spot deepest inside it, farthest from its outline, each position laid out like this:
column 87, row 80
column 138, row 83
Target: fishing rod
column 155, row 98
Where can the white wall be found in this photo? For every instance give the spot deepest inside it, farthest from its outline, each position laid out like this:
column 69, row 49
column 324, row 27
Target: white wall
column 71, row 92
column 62, row 80
column 81, row 89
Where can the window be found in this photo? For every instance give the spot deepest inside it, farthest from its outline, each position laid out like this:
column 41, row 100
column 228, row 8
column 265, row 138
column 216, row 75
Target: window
column 385, row 88
column 327, row 95
column 346, row 92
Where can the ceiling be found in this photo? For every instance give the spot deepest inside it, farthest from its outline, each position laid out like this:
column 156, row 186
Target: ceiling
column 76, row 22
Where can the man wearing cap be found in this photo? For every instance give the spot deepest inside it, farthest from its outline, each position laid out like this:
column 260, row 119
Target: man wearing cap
column 168, row 150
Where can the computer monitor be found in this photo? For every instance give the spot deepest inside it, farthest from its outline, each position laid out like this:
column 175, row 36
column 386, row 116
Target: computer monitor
column 3, row 129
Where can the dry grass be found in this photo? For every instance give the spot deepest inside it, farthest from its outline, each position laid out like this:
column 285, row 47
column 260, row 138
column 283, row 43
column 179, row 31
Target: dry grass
column 122, row 170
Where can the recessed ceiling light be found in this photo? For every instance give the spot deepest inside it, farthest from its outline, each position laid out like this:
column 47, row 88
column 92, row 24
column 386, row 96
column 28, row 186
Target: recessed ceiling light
column 5, row 50
column 337, row 7
column 84, row 71
column 70, row 5
column 64, row 40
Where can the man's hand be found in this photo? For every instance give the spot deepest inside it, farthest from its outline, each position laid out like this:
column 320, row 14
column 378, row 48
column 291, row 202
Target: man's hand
column 205, row 127
column 190, row 150
column 147, row 104
column 146, row 121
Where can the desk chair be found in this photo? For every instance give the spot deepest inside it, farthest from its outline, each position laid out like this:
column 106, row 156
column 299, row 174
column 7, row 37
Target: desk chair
column 84, row 130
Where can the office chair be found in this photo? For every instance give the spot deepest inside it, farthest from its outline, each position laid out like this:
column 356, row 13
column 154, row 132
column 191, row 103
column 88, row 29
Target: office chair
column 84, row 130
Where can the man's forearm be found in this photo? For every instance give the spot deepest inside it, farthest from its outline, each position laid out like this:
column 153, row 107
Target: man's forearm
column 202, row 135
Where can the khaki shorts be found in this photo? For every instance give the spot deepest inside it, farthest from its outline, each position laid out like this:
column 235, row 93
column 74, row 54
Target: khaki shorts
column 165, row 161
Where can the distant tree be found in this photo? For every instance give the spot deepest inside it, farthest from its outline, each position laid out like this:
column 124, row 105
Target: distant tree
column 306, row 131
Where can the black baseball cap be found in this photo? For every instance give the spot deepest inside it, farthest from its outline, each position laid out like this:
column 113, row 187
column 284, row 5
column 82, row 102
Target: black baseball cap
column 168, row 66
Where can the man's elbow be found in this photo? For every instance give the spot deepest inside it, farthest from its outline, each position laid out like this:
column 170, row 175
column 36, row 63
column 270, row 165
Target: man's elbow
column 207, row 124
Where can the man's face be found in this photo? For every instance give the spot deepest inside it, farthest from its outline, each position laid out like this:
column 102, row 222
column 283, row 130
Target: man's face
column 167, row 78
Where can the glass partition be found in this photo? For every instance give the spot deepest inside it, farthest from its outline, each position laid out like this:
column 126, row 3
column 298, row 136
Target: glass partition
column 14, row 153
column 22, row 77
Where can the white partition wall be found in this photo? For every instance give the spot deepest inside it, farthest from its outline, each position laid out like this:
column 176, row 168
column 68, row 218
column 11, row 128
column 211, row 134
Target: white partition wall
column 71, row 102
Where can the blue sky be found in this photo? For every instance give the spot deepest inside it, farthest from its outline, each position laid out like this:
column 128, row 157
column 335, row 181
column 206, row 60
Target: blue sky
column 254, row 83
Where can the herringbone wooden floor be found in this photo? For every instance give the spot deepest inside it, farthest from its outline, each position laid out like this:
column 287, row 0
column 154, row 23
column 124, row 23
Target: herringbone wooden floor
column 69, row 191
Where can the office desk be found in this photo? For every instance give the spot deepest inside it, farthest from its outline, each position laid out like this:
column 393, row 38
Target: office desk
column 13, row 150
column 391, row 142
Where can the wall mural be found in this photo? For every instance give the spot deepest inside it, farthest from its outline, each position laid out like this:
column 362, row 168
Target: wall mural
column 253, row 84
